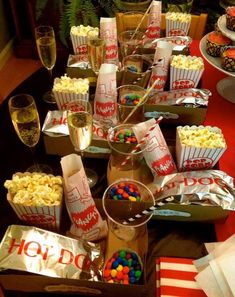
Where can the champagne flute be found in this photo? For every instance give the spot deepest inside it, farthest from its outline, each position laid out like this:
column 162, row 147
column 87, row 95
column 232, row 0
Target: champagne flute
column 25, row 119
column 95, row 50
column 46, row 47
column 80, row 125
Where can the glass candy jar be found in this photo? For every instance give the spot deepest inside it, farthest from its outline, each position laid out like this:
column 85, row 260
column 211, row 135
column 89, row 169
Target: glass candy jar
column 126, row 159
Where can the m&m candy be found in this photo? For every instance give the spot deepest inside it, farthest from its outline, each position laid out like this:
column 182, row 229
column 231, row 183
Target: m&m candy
column 130, row 99
column 128, row 271
column 125, row 136
column 125, row 191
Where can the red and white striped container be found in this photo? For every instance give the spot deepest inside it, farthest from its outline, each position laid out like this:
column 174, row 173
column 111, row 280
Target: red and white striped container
column 46, row 217
column 175, row 277
column 197, row 158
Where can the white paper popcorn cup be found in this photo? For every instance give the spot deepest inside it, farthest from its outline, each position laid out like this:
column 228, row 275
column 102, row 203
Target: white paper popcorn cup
column 177, row 24
column 185, row 72
column 78, row 35
column 63, row 98
column 79, row 46
column 44, row 216
column 66, row 89
column 203, row 152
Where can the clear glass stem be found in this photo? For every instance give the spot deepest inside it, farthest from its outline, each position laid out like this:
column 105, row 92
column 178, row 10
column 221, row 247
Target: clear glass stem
column 50, row 78
column 35, row 163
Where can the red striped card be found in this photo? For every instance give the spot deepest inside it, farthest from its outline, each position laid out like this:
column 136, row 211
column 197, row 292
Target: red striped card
column 175, row 277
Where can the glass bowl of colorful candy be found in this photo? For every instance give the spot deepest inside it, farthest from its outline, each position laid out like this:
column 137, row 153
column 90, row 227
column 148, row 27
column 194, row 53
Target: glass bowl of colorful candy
column 126, row 201
column 128, row 97
column 124, row 267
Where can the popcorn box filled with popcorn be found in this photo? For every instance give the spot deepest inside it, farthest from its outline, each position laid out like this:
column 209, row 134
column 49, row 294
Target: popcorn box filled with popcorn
column 36, row 198
column 177, row 23
column 78, row 36
column 198, row 147
column 66, row 89
column 185, row 71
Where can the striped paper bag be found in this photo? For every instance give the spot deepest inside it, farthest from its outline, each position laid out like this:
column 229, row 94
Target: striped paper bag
column 175, row 277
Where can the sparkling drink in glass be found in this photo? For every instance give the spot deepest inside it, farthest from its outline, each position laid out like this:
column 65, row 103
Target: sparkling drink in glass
column 46, row 47
column 80, row 122
column 26, row 122
column 95, row 50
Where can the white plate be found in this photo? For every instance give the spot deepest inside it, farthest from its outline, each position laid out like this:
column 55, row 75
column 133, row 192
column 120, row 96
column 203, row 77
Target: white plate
column 214, row 61
column 222, row 26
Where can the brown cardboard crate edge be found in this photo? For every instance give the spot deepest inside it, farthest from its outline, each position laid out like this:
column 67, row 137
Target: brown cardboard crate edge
column 29, row 282
column 176, row 115
column 46, row 284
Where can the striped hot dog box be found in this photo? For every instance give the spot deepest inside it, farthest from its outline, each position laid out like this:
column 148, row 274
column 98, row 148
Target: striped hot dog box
column 175, row 277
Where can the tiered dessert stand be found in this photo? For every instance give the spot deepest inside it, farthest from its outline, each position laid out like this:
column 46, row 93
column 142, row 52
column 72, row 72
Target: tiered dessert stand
column 226, row 86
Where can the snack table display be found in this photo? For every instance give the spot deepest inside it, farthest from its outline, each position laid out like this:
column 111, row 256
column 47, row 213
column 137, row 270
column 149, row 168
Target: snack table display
column 132, row 225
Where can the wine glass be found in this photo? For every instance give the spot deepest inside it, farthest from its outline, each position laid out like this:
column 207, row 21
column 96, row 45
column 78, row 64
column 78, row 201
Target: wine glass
column 95, row 50
column 80, row 125
column 25, row 119
column 46, row 47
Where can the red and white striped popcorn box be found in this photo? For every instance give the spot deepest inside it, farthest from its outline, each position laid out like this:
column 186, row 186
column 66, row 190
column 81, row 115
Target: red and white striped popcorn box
column 175, row 24
column 80, row 46
column 64, row 98
column 78, row 35
column 198, row 155
column 175, row 277
column 66, row 90
column 46, row 216
column 183, row 78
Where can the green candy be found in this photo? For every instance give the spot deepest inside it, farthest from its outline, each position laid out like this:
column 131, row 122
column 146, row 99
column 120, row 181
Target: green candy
column 138, row 274
column 122, row 254
column 121, row 136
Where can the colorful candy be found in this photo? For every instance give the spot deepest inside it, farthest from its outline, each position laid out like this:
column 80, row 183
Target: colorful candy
column 128, row 271
column 125, row 191
column 130, row 99
column 125, row 136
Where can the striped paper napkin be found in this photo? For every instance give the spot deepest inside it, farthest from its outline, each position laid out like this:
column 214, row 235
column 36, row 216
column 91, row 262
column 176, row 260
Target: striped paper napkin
column 175, row 277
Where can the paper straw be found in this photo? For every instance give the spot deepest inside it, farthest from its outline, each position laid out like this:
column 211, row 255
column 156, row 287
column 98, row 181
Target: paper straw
column 146, row 72
column 142, row 39
column 145, row 212
column 142, row 141
column 142, row 100
column 141, row 21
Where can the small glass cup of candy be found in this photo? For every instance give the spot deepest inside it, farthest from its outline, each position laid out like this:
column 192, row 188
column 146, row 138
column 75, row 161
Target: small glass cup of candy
column 128, row 97
column 126, row 159
column 136, row 70
column 124, row 267
column 131, row 41
column 122, row 201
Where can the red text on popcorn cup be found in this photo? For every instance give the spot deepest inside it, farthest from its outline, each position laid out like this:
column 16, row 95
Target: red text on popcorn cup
column 183, row 84
column 177, row 32
column 198, row 163
column 42, row 219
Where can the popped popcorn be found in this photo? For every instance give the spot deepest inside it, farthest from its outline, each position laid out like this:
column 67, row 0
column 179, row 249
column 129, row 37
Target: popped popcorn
column 83, row 30
column 206, row 137
column 66, row 84
column 35, row 189
column 178, row 16
column 187, row 62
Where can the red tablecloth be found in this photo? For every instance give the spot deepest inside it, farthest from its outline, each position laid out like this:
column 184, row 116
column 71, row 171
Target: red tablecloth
column 220, row 114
